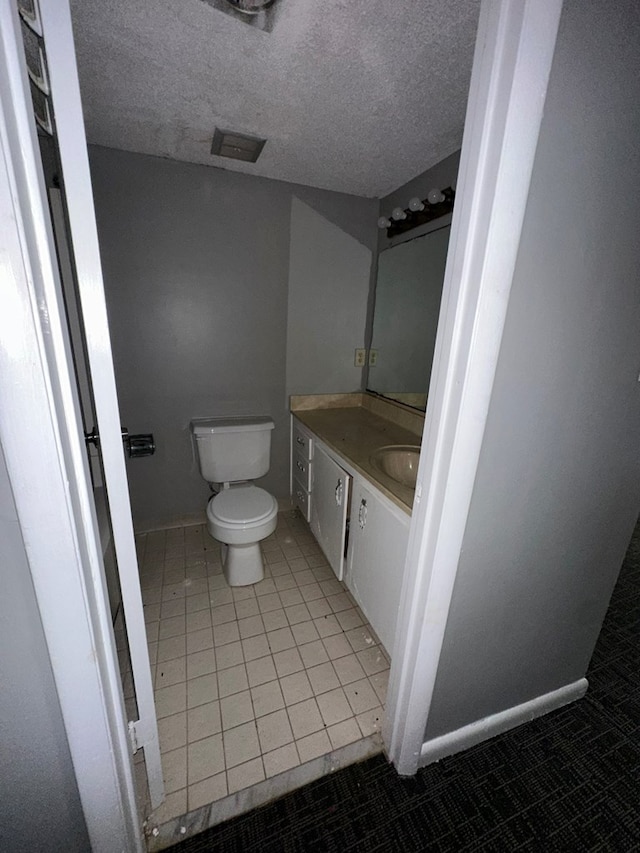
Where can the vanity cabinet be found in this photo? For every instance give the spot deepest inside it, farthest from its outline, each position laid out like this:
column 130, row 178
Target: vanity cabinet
column 362, row 533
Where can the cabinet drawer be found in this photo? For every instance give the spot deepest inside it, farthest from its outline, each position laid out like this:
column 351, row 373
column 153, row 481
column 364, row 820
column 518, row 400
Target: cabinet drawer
column 302, row 470
column 301, row 498
column 302, row 442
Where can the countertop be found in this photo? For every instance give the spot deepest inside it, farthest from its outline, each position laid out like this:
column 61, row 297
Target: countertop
column 355, row 433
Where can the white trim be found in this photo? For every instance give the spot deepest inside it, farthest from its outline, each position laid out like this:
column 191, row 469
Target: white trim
column 514, row 51
column 40, row 431
column 481, row 730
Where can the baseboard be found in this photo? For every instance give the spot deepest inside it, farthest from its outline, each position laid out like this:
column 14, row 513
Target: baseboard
column 185, row 520
column 481, row 730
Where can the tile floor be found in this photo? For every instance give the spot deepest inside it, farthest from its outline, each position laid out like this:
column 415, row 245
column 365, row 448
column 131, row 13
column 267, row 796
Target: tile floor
column 252, row 681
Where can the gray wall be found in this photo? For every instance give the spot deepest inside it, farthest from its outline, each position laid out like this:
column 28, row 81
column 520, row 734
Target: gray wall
column 558, row 488
column 329, row 281
column 39, row 803
column 196, row 264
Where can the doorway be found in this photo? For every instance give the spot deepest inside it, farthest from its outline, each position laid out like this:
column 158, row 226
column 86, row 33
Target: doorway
column 404, row 678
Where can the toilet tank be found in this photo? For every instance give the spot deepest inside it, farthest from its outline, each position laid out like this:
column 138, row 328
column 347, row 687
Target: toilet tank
column 232, row 449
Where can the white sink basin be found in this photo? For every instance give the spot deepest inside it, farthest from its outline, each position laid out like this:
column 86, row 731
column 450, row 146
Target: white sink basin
column 398, row 461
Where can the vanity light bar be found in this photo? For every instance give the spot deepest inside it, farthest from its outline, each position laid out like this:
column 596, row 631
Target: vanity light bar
column 437, row 203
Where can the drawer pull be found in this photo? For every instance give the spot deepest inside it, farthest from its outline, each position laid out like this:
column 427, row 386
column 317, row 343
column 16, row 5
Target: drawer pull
column 362, row 514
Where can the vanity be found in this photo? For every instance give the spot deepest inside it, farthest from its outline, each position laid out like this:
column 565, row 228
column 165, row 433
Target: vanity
column 359, row 512
column 354, row 457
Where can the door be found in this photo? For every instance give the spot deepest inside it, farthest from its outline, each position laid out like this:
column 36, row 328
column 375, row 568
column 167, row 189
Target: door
column 85, row 394
column 50, row 60
column 329, row 508
column 377, row 550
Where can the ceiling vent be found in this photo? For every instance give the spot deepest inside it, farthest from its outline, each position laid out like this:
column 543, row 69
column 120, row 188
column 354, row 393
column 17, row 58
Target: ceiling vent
column 237, row 146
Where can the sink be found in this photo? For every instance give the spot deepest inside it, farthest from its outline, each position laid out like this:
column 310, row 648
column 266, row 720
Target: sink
column 398, row 461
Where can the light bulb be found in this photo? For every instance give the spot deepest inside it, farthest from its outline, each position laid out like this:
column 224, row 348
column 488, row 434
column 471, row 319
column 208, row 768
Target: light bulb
column 398, row 213
column 415, row 205
column 383, row 222
column 435, row 197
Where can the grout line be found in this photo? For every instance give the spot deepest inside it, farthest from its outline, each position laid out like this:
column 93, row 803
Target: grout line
column 156, row 566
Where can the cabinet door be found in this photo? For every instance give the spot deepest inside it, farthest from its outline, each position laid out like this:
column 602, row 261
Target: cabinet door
column 329, row 505
column 378, row 539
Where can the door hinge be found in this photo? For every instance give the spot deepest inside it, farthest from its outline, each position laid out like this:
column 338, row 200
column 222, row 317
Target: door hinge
column 133, row 735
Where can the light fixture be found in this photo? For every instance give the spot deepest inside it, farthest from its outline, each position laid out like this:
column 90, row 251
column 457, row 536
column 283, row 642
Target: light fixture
column 250, row 7
column 435, row 197
column 419, row 211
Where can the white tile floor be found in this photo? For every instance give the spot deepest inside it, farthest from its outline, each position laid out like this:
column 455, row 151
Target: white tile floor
column 252, row 681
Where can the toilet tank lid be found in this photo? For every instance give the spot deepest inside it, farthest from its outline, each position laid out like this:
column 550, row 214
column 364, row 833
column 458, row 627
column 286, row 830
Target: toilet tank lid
column 206, row 426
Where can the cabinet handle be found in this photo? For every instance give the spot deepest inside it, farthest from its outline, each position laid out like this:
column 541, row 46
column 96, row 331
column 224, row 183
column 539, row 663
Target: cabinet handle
column 339, row 492
column 300, row 467
column 362, row 514
column 300, row 495
column 300, row 440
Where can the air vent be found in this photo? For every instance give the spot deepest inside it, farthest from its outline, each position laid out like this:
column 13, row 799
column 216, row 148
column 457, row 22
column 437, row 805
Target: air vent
column 237, row 146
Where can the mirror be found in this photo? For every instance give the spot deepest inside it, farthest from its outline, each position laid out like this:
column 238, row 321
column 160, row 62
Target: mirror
column 405, row 320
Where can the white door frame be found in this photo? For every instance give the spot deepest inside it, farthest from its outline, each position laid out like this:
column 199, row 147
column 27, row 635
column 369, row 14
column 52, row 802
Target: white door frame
column 512, row 62
column 42, row 438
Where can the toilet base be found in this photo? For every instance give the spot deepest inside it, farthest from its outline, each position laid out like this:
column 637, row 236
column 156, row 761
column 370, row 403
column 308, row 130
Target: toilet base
column 242, row 564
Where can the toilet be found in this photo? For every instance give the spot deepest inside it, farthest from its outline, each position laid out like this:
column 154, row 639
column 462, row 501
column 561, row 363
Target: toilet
column 232, row 452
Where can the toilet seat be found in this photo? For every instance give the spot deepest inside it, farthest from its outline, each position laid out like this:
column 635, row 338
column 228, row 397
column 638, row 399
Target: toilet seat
column 241, row 516
column 243, row 506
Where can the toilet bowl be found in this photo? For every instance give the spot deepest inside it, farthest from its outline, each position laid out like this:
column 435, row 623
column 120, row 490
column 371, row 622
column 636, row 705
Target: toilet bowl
column 240, row 517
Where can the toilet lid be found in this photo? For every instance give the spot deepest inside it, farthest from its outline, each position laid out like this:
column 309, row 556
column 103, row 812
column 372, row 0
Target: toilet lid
column 243, row 504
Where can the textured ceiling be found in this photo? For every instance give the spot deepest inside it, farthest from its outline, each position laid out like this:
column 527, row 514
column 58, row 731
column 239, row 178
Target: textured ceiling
column 356, row 96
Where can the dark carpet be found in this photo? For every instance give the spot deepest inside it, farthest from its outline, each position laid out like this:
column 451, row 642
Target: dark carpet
column 569, row 781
